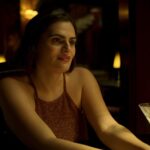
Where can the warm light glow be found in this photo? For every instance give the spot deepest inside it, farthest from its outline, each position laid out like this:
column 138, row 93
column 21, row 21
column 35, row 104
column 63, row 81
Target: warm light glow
column 28, row 10
column 124, row 13
column 2, row 59
column 117, row 61
column 29, row 13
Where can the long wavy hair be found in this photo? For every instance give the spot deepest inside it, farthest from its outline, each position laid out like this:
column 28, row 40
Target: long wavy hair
column 26, row 55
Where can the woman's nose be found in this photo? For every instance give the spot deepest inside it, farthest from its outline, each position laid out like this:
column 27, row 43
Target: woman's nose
column 66, row 46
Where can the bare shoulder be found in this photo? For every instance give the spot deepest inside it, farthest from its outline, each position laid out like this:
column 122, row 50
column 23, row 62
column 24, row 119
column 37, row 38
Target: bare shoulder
column 83, row 74
column 8, row 83
column 12, row 88
column 12, row 82
column 82, row 71
column 7, row 80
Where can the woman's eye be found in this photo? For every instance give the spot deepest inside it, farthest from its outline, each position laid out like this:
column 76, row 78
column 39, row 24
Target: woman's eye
column 73, row 42
column 60, row 41
column 56, row 40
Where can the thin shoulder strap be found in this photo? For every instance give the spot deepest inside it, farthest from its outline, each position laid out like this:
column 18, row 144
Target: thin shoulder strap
column 35, row 90
column 65, row 88
column 33, row 85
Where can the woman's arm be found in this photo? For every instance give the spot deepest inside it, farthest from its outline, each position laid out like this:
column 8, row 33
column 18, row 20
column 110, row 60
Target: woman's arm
column 19, row 113
column 114, row 135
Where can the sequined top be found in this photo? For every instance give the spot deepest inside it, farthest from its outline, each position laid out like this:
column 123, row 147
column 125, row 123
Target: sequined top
column 66, row 120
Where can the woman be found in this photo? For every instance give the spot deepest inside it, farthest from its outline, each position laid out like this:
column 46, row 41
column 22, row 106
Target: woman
column 47, row 106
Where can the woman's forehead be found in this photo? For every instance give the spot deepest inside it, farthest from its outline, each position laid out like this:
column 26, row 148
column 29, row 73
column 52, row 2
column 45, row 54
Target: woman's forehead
column 61, row 27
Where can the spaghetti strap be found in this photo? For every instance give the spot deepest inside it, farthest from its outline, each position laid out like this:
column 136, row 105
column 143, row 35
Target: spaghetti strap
column 32, row 84
column 65, row 88
column 51, row 112
column 35, row 90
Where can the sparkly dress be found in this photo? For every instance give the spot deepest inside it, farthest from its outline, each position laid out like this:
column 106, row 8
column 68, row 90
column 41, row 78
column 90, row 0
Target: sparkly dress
column 65, row 119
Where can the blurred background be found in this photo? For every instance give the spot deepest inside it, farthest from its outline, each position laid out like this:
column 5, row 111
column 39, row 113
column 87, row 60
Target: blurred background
column 113, row 42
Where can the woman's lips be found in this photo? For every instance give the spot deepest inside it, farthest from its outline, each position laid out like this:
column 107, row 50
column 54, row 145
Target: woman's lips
column 64, row 58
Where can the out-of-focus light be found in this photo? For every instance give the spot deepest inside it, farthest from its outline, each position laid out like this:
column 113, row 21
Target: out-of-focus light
column 124, row 13
column 29, row 13
column 117, row 61
column 2, row 59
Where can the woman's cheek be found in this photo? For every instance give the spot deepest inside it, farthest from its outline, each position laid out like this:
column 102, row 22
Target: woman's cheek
column 74, row 52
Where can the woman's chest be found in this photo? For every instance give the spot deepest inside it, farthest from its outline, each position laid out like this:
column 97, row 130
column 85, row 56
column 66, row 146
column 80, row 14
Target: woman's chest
column 75, row 93
column 71, row 89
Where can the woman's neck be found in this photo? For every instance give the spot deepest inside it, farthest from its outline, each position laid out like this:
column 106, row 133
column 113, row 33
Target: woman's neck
column 47, row 79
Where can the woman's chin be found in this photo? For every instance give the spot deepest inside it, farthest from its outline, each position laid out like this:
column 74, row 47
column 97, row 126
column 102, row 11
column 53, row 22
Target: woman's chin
column 63, row 69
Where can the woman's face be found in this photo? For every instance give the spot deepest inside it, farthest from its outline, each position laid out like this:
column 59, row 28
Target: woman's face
column 56, row 47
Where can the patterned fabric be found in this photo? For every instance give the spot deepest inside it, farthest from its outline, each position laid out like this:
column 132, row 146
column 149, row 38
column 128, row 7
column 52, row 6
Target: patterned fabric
column 65, row 119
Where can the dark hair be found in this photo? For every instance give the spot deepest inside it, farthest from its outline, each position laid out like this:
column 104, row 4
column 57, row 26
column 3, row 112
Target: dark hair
column 26, row 55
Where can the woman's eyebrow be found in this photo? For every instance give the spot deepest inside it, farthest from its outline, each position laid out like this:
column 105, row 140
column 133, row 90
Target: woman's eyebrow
column 59, row 35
